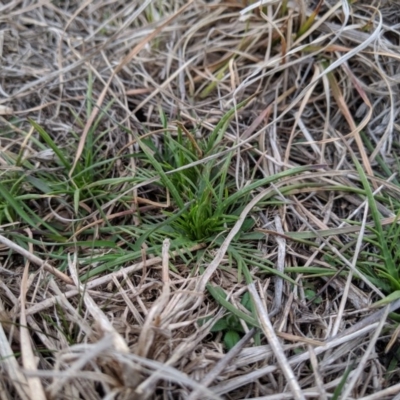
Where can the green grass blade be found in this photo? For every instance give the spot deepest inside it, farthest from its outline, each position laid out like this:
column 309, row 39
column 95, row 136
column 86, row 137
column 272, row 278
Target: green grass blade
column 49, row 141
column 233, row 199
column 219, row 295
column 156, row 227
column 377, row 220
column 220, row 128
column 16, row 206
column 164, row 178
column 339, row 388
column 387, row 300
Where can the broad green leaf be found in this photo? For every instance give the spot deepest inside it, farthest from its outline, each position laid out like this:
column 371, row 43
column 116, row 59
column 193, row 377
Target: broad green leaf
column 231, row 338
column 220, row 325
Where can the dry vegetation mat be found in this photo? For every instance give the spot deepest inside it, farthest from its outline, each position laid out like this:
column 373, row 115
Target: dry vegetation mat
column 199, row 199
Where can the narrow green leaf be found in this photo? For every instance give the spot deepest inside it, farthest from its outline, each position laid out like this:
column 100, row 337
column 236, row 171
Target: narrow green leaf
column 39, row 184
column 220, row 128
column 261, row 182
column 211, row 86
column 110, row 182
column 388, row 299
column 339, row 388
column 169, row 221
column 314, row 271
column 16, row 206
column 309, row 22
column 219, row 295
column 46, row 137
column 391, row 269
column 164, row 178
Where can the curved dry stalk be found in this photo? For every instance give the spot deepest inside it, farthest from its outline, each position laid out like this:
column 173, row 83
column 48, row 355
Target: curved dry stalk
column 28, row 358
column 35, row 260
column 275, row 344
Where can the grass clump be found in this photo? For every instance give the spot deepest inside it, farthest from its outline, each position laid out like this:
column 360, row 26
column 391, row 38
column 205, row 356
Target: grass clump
column 199, row 191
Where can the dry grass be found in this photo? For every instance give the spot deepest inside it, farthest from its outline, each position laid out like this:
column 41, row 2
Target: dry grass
column 322, row 84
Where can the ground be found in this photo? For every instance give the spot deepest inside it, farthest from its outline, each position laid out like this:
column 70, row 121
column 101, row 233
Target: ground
column 199, row 199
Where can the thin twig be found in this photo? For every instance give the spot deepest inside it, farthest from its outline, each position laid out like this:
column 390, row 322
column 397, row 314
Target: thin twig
column 36, row 260
column 371, row 346
column 222, row 364
column 275, row 344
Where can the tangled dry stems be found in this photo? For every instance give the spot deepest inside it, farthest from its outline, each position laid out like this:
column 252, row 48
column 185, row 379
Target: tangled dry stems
column 134, row 333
